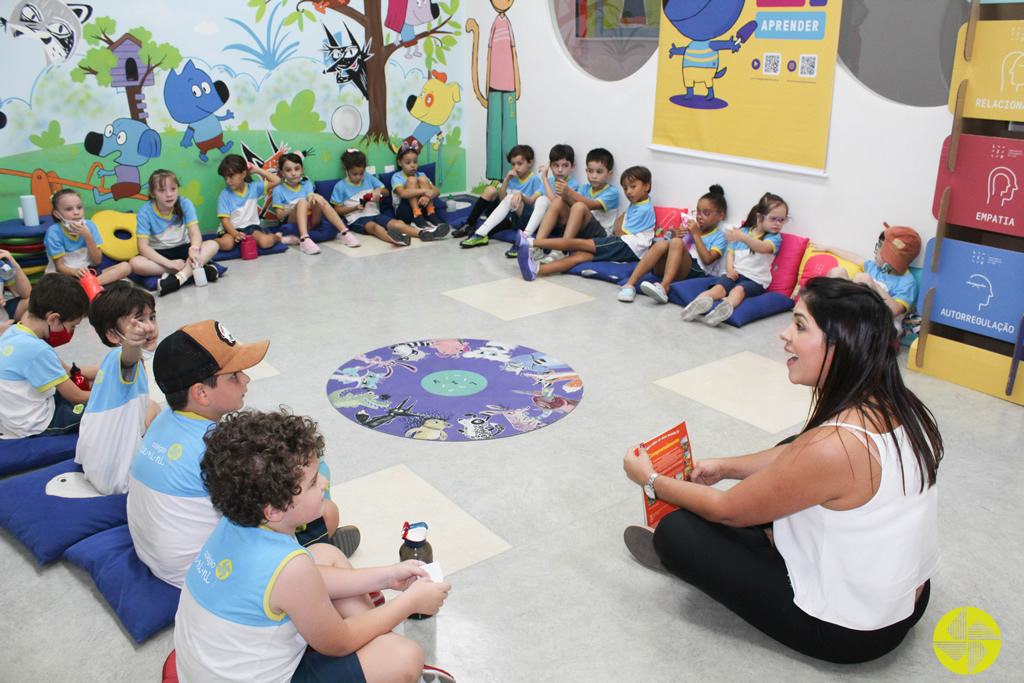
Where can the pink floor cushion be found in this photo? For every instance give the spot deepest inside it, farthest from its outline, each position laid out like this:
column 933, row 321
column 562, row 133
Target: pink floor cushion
column 143, row 603
column 786, row 265
column 51, row 509
column 21, row 455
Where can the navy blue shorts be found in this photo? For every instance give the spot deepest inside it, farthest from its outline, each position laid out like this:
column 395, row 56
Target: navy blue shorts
column 593, row 230
column 317, row 668
column 66, row 417
column 750, row 288
column 173, row 253
column 247, row 230
column 314, row 532
column 613, row 249
column 359, row 224
column 12, row 306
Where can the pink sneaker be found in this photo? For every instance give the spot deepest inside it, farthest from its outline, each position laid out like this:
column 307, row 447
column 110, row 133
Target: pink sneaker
column 308, row 246
column 348, row 239
column 290, row 240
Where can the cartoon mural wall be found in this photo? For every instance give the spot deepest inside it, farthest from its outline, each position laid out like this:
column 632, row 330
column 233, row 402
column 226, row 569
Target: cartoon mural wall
column 108, row 92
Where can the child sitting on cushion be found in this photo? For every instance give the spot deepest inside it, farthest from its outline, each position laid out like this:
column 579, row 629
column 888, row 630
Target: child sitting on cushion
column 295, row 201
column 518, row 193
column 888, row 273
column 238, row 205
column 413, row 195
column 73, row 242
column 119, row 410
column 356, row 197
column 36, row 395
column 258, row 606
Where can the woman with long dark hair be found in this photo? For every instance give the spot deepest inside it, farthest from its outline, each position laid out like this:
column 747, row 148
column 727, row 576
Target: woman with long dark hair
column 826, row 543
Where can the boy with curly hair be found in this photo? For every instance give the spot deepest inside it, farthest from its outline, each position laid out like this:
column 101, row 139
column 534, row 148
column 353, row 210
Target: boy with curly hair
column 254, row 598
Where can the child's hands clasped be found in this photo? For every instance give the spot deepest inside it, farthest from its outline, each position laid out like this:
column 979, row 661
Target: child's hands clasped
column 427, row 596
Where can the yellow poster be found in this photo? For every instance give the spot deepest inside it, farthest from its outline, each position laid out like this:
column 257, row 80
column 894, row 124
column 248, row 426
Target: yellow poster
column 748, row 80
column 995, row 74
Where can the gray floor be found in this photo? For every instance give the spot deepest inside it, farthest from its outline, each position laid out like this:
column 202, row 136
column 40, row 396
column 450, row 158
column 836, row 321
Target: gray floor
column 566, row 602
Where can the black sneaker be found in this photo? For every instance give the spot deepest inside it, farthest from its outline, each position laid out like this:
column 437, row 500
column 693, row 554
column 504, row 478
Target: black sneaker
column 168, row 283
column 420, row 222
column 428, row 235
column 211, row 273
column 512, row 252
column 346, row 539
column 433, row 219
column 441, row 230
column 464, row 230
column 398, row 237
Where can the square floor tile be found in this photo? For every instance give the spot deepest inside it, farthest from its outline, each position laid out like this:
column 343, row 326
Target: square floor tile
column 380, row 503
column 371, row 246
column 514, row 298
column 746, row 386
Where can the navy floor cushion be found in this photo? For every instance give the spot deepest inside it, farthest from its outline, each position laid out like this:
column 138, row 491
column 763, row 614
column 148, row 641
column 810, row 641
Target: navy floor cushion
column 237, row 252
column 143, row 603
column 767, row 304
column 609, row 271
column 48, row 524
column 325, row 232
column 150, row 281
column 21, row 455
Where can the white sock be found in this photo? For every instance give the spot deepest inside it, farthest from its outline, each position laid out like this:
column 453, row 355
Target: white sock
column 497, row 216
column 540, row 207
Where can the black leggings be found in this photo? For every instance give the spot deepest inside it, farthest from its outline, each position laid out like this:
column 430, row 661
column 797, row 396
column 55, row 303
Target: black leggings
column 741, row 569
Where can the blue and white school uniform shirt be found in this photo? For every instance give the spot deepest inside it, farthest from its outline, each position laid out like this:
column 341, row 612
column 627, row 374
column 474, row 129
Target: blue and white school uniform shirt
column 346, row 194
column 399, row 179
column 113, row 424
column 166, row 232
column 608, row 197
column 757, row 267
column 169, row 511
column 60, row 243
column 529, row 187
column 638, row 225
column 224, row 628
column 713, row 241
column 902, row 288
column 286, row 196
column 242, row 209
column 29, row 374
column 570, row 181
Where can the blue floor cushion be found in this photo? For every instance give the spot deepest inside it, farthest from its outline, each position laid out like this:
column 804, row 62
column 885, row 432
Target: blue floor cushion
column 35, row 509
column 767, row 304
column 609, row 271
column 325, row 232
column 237, row 252
column 143, row 603
column 21, row 455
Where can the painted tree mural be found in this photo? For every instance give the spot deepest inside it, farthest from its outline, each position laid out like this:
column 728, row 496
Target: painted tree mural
column 438, row 36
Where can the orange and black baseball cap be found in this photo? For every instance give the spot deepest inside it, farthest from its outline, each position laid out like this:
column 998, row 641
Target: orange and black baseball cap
column 900, row 247
column 199, row 351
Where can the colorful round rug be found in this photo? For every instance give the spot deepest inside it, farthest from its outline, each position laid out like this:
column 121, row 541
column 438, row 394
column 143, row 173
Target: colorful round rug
column 454, row 389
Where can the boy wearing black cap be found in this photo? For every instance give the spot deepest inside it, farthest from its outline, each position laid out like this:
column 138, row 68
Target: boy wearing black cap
column 200, row 370
column 888, row 273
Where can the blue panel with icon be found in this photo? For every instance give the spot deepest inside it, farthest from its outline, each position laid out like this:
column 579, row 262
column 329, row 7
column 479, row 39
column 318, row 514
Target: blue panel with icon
column 978, row 289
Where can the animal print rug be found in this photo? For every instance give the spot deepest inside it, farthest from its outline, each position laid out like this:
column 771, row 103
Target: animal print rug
column 454, row 389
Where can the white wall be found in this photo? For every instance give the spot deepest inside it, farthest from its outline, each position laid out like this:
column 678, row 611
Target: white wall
column 882, row 157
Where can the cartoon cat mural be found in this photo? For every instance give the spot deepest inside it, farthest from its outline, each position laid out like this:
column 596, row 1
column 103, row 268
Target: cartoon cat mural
column 57, row 26
column 193, row 97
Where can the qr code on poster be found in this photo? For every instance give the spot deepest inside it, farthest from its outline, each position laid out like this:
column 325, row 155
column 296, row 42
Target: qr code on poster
column 808, row 66
column 772, row 65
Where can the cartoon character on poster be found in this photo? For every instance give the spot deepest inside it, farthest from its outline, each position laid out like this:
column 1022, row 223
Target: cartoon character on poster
column 403, row 18
column 701, row 21
column 193, row 97
column 502, row 88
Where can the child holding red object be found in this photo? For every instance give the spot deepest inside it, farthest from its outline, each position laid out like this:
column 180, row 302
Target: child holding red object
column 238, row 205
column 73, row 242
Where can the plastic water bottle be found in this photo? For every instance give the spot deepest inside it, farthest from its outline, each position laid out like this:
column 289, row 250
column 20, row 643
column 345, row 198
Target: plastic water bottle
column 6, row 271
column 199, row 276
column 416, row 547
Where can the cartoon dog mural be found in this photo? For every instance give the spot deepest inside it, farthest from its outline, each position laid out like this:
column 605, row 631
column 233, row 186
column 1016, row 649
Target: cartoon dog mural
column 701, row 24
column 57, row 26
column 134, row 143
column 193, row 97
column 479, row 428
column 403, row 18
column 431, row 430
column 433, row 107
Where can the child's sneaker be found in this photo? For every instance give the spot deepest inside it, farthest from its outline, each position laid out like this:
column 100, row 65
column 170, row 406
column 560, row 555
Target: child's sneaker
column 720, row 314
column 434, row 219
column 211, row 272
column 699, row 305
column 290, row 240
column 464, row 230
column 346, row 539
column 655, row 291
column 552, row 257
column 420, row 222
column 474, row 241
column 441, row 231
column 168, row 283
column 527, row 266
column 428, row 234
column 308, row 246
column 348, row 238
column 431, row 674
column 397, row 237
column 627, row 294
column 512, row 252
